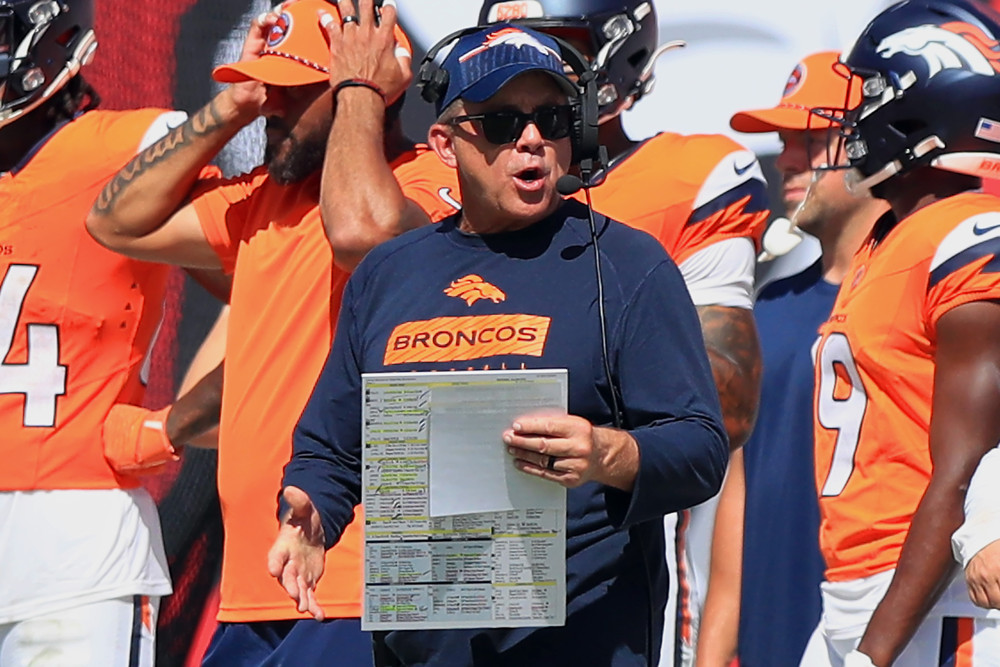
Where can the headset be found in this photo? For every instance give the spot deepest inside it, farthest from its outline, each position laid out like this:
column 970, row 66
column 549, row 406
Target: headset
column 588, row 154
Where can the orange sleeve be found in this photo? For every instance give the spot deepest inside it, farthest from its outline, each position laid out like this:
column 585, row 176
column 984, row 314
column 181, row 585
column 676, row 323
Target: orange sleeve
column 732, row 199
column 737, row 220
column 222, row 208
column 965, row 266
column 972, row 276
column 430, row 183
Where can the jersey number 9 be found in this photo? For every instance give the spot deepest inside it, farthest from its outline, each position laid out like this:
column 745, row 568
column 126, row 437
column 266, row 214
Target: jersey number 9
column 840, row 407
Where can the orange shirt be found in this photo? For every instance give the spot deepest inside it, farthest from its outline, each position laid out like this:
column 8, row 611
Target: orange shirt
column 875, row 374
column 285, row 299
column 687, row 191
column 75, row 319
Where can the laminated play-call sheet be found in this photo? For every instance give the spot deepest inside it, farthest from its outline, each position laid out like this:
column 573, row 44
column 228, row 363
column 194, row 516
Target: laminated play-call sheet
column 455, row 536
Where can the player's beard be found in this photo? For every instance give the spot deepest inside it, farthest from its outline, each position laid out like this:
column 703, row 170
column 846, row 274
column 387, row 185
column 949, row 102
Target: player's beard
column 293, row 160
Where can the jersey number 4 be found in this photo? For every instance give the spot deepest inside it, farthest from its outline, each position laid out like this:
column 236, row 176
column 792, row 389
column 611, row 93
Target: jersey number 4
column 42, row 379
column 840, row 407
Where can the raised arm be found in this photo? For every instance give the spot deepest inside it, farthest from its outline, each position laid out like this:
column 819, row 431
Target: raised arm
column 964, row 426
column 141, row 212
column 361, row 203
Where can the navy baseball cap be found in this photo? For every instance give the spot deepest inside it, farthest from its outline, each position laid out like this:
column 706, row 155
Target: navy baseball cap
column 483, row 62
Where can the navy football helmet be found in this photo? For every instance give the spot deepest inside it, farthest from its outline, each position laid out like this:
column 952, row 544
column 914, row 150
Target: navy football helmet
column 929, row 74
column 43, row 44
column 619, row 37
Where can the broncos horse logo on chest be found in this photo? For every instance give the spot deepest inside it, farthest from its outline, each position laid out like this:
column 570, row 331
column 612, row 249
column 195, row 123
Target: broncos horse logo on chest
column 472, row 288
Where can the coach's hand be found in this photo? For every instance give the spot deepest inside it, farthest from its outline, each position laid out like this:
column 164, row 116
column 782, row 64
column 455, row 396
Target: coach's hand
column 296, row 559
column 362, row 47
column 570, row 451
column 983, row 576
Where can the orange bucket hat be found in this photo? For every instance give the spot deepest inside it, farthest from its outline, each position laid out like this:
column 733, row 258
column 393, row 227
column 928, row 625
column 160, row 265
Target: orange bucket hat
column 820, row 80
column 296, row 52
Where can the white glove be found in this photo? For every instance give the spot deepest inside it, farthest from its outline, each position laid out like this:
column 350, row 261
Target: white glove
column 982, row 511
column 857, row 659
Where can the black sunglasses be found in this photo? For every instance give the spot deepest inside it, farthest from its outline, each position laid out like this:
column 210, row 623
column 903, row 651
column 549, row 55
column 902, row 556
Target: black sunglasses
column 504, row 127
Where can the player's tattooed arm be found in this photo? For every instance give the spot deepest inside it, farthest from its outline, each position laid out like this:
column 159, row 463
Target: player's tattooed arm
column 734, row 352
column 142, row 211
column 203, row 123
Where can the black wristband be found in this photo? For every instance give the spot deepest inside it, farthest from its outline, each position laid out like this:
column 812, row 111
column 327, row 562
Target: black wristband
column 360, row 83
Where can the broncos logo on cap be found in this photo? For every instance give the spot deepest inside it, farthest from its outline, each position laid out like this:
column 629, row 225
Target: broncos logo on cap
column 955, row 45
column 795, row 80
column 510, row 37
column 280, row 30
column 472, row 288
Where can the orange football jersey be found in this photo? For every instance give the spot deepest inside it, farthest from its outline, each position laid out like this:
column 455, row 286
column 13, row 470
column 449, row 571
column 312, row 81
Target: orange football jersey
column 688, row 191
column 875, row 374
column 75, row 319
column 285, row 299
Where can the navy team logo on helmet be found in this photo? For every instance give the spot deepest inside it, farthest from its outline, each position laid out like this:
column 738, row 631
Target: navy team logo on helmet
column 280, row 31
column 930, row 92
column 954, row 45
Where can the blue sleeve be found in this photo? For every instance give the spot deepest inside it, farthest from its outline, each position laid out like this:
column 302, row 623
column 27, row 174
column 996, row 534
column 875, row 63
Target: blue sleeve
column 671, row 404
column 326, row 443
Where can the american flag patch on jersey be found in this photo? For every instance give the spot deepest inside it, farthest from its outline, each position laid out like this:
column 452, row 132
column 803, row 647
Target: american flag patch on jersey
column 988, row 130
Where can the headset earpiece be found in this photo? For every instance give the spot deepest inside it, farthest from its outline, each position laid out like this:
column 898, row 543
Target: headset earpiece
column 432, row 79
column 586, row 146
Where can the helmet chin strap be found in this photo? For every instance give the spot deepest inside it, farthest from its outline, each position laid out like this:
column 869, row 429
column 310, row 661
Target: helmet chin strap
column 858, row 184
column 82, row 55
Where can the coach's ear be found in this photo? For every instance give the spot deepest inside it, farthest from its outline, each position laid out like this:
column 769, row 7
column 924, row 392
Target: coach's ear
column 441, row 139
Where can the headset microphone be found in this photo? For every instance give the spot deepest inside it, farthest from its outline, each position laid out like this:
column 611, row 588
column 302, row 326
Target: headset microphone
column 569, row 185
